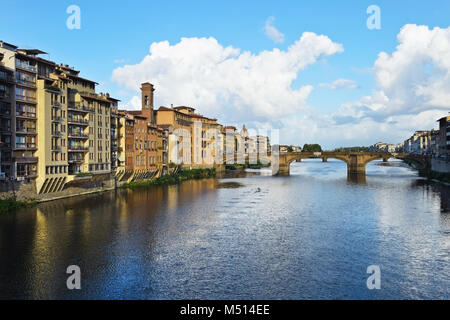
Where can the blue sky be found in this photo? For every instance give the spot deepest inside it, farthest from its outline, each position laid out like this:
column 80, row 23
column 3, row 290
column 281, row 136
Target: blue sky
column 114, row 34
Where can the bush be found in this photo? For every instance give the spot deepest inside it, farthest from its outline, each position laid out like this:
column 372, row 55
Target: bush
column 312, row 148
column 9, row 204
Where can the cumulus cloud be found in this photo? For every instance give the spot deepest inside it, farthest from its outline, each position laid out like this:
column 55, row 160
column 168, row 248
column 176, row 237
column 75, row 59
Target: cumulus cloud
column 412, row 86
column 340, row 84
column 135, row 103
column 414, row 79
column 272, row 32
column 226, row 82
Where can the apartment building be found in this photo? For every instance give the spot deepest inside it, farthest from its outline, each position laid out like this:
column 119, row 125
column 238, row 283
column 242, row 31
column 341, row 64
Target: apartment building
column 60, row 127
column 19, row 122
column 196, row 140
column 418, row 143
column 443, row 139
column 7, row 91
column 117, row 151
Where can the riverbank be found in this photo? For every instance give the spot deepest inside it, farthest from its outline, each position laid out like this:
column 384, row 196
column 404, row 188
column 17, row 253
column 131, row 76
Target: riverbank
column 169, row 179
column 9, row 204
column 443, row 177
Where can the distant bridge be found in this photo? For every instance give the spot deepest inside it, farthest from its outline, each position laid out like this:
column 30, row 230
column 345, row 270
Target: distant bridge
column 356, row 161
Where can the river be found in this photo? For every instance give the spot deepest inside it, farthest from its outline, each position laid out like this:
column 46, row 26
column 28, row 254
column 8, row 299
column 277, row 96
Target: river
column 311, row 235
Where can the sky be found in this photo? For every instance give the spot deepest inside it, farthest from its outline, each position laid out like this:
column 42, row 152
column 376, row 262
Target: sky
column 311, row 69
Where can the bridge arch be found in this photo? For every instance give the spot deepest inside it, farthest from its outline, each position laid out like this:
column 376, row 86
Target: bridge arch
column 356, row 161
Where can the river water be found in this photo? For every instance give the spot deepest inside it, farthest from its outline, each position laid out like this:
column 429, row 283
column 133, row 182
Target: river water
column 311, row 235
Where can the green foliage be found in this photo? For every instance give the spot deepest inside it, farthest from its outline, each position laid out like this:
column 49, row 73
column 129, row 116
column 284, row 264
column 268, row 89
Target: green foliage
column 172, row 165
column 9, row 204
column 312, row 148
column 237, row 166
column 84, row 174
column 168, row 179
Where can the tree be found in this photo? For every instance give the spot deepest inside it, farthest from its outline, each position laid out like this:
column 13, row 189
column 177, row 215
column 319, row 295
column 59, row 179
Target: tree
column 312, row 148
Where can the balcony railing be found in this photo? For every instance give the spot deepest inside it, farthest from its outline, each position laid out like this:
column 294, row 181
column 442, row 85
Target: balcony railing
column 56, row 104
column 77, row 135
column 57, row 119
column 25, row 98
column 4, row 94
column 57, row 148
column 53, row 88
column 57, row 133
column 6, row 77
column 80, row 121
column 25, row 114
column 78, row 149
column 5, row 112
column 26, row 66
column 79, row 107
column 26, row 130
column 76, row 159
column 21, row 146
column 26, row 83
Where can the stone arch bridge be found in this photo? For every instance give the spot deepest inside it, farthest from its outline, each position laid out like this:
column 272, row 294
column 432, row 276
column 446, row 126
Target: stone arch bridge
column 356, row 161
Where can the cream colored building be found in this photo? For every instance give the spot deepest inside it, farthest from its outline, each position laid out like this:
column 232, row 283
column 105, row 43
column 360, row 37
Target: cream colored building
column 61, row 126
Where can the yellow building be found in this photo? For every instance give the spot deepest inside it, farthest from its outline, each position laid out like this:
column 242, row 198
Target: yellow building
column 193, row 138
column 61, row 127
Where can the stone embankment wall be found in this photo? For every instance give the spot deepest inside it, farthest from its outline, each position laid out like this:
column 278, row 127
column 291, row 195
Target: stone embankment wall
column 440, row 165
column 25, row 191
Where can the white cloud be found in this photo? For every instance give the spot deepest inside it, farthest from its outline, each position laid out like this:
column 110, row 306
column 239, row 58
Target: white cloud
column 413, row 79
column 134, row 104
column 412, row 86
column 272, row 32
column 340, row 84
column 226, row 83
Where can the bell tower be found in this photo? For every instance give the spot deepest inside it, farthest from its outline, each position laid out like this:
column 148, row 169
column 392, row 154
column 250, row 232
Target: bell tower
column 147, row 100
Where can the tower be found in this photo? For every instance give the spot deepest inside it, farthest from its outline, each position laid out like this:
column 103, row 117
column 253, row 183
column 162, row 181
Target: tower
column 147, row 101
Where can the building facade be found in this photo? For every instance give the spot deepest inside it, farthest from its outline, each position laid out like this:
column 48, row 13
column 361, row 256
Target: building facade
column 60, row 127
column 443, row 139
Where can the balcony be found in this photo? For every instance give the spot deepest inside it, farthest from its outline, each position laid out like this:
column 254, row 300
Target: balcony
column 76, row 159
column 25, row 66
column 78, row 121
column 26, row 146
column 7, row 78
column 26, row 83
column 56, row 148
column 57, row 119
column 4, row 95
column 76, row 135
column 25, row 98
column 5, row 113
column 26, row 159
column 78, row 149
column 79, row 108
column 21, row 114
column 54, row 89
column 31, row 131
column 56, row 104
column 57, row 133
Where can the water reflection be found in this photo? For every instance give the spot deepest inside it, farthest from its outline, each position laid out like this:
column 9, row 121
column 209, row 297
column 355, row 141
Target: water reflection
column 309, row 235
column 356, row 178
